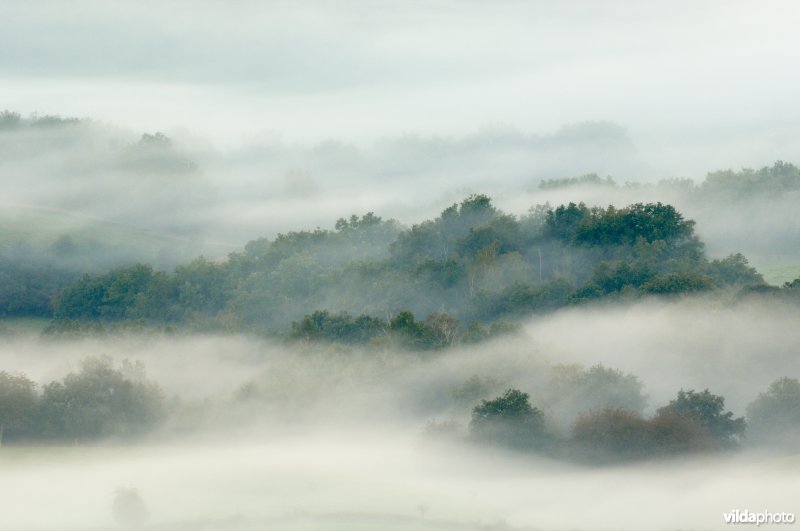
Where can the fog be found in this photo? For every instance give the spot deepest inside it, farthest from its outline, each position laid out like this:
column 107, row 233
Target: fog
column 166, row 203
column 333, row 437
column 341, row 484
column 297, row 114
column 157, row 132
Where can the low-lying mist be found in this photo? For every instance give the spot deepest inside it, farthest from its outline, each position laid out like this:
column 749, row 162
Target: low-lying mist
column 449, row 265
column 297, row 436
column 169, row 198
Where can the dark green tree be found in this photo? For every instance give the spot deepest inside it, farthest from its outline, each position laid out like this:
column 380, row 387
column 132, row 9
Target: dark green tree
column 509, row 420
column 708, row 410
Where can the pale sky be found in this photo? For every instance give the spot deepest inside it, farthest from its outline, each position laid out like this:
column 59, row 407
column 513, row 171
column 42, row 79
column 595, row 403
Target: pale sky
column 672, row 73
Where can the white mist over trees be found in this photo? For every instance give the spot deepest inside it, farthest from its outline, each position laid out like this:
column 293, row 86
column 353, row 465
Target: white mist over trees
column 424, row 265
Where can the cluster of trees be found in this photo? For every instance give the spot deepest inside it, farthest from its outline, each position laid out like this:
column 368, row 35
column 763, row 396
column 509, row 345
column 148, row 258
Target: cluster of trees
column 436, row 331
column 774, row 417
column 472, row 267
column 10, row 120
column 775, row 180
column 565, row 182
column 725, row 185
column 694, row 421
column 99, row 401
column 29, row 280
column 610, row 425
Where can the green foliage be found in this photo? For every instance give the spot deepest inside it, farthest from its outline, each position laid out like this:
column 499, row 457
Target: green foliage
column 775, row 415
column 106, row 297
column 447, row 273
column 502, row 233
column 18, row 405
column 676, row 283
column 509, row 420
column 27, row 285
column 324, row 326
column 614, row 277
column 591, row 179
column 651, row 222
column 563, row 222
column 734, row 270
column 774, row 180
column 100, row 401
column 437, row 331
column 472, row 264
column 522, row 299
column 411, row 333
column 708, row 410
column 440, row 239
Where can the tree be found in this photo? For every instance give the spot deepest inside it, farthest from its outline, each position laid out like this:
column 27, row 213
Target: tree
column 707, row 410
column 509, row 420
column 413, row 334
column 444, row 328
column 775, row 414
column 324, row 326
column 101, row 400
column 676, row 283
column 18, row 404
column 574, row 391
column 614, row 434
column 473, row 390
column 734, row 270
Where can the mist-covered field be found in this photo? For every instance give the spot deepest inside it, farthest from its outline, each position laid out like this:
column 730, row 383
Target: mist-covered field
column 325, row 481
column 442, row 265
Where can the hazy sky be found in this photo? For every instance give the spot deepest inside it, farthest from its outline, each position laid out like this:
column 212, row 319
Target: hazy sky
column 671, row 72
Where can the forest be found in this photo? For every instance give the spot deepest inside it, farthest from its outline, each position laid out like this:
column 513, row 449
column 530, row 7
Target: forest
column 468, row 274
column 474, row 274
